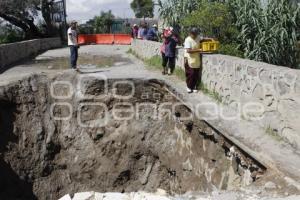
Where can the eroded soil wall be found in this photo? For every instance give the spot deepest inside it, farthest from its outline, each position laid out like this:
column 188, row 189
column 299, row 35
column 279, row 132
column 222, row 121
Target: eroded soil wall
column 53, row 143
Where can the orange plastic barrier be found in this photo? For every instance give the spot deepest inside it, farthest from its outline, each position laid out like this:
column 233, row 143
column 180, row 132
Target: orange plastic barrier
column 104, row 39
column 124, row 39
column 87, row 39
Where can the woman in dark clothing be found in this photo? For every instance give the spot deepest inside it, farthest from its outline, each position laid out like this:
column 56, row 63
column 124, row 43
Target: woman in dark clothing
column 169, row 54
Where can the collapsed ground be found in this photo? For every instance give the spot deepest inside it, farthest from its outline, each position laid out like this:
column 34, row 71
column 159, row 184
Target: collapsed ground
column 34, row 145
column 43, row 158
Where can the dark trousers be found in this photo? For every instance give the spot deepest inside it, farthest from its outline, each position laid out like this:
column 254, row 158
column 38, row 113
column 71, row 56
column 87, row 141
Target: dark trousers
column 168, row 62
column 74, row 56
column 193, row 75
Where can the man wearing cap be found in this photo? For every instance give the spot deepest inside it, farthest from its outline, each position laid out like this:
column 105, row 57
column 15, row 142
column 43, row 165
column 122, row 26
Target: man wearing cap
column 73, row 44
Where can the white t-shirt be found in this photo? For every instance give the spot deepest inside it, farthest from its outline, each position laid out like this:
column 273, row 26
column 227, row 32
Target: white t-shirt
column 72, row 37
column 191, row 43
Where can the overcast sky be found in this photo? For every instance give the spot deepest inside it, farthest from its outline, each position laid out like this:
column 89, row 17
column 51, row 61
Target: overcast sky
column 82, row 10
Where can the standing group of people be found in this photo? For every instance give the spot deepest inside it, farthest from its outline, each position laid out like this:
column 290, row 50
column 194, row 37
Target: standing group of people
column 170, row 39
column 143, row 32
column 192, row 60
column 168, row 50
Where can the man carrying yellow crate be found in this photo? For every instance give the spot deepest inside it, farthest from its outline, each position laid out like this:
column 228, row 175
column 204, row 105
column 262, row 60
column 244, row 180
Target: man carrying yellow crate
column 192, row 61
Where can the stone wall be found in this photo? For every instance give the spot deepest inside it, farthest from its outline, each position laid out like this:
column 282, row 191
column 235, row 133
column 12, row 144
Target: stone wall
column 240, row 82
column 14, row 52
column 148, row 49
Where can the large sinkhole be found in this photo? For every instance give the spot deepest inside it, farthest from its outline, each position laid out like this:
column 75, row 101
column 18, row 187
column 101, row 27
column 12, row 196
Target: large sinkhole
column 76, row 133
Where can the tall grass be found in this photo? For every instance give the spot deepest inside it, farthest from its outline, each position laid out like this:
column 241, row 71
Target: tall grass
column 270, row 33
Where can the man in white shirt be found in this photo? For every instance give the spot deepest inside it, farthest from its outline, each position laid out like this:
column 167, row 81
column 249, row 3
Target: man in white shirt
column 73, row 44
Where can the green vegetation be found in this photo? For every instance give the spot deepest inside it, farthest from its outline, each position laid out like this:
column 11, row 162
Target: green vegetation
column 9, row 34
column 212, row 94
column 180, row 73
column 130, row 51
column 231, row 49
column 173, row 11
column 268, row 34
column 25, row 14
column 154, row 63
column 103, row 22
column 143, row 8
column 249, row 29
column 215, row 19
column 274, row 134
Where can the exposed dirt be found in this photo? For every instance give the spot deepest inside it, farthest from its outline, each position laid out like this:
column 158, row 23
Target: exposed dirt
column 44, row 158
column 61, row 63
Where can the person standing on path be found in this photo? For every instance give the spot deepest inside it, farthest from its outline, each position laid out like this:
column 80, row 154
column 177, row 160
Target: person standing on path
column 192, row 62
column 135, row 31
column 73, row 44
column 169, row 52
column 142, row 33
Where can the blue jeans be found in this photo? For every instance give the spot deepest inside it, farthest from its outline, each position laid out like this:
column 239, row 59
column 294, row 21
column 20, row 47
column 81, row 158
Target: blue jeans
column 74, row 56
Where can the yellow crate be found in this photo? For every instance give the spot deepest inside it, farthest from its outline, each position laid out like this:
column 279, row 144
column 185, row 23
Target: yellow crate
column 212, row 45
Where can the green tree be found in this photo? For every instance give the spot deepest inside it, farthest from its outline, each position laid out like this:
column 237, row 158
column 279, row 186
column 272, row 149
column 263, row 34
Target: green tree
column 103, row 22
column 214, row 19
column 25, row 13
column 10, row 33
column 143, row 8
column 173, row 11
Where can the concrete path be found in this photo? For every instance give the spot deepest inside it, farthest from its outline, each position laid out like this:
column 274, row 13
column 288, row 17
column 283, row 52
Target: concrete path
column 161, row 196
column 275, row 155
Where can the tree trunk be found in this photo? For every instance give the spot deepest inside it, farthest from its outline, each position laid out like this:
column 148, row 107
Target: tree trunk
column 29, row 28
column 15, row 21
column 33, row 30
column 46, row 12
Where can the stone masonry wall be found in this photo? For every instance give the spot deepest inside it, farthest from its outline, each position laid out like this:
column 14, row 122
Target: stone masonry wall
column 239, row 82
column 14, row 52
column 148, row 49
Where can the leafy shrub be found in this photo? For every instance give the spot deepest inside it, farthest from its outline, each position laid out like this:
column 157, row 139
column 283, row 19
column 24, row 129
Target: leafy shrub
column 214, row 19
column 10, row 34
column 231, row 50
